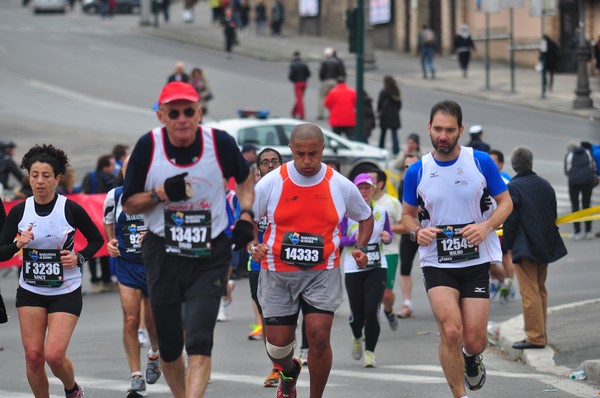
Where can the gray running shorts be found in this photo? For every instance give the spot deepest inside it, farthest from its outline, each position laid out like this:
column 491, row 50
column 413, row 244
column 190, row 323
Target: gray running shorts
column 279, row 293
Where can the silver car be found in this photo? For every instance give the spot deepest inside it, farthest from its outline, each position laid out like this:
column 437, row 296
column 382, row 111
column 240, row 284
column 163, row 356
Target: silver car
column 353, row 156
column 49, row 5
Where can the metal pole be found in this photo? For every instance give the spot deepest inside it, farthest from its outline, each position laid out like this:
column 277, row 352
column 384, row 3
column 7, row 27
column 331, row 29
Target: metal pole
column 543, row 58
column 145, row 13
column 487, row 50
column 511, row 16
column 582, row 92
column 359, row 131
column 369, row 60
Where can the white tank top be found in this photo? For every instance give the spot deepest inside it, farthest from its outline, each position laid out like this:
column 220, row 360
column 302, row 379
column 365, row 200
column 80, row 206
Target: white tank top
column 50, row 233
column 206, row 177
column 451, row 197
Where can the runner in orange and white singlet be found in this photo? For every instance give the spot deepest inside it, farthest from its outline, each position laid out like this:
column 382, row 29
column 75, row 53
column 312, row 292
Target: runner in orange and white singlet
column 304, row 201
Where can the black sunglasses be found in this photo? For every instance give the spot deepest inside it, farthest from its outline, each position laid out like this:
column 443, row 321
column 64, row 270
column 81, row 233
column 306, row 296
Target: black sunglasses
column 174, row 113
column 266, row 162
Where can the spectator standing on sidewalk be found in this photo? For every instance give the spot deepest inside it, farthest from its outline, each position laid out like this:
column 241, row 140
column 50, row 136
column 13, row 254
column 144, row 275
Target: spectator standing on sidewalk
column 277, row 17
column 476, row 132
column 411, row 148
column 165, row 4
column 260, row 18
column 298, row 75
column 580, row 169
column 463, row 45
column 179, row 75
column 426, row 47
column 100, row 180
column 532, row 237
column 202, row 88
column 341, row 102
column 329, row 72
column 389, row 104
column 8, row 166
column 549, row 59
column 229, row 30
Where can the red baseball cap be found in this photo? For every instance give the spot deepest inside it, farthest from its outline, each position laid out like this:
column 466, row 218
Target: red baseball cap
column 175, row 91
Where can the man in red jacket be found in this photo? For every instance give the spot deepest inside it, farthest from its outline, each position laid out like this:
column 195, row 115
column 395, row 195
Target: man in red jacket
column 341, row 102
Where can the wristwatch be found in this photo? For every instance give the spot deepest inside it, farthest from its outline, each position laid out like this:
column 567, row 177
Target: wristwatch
column 250, row 212
column 413, row 234
column 362, row 249
column 154, row 196
column 80, row 259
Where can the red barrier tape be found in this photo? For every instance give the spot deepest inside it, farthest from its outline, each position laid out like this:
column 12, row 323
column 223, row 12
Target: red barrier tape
column 93, row 205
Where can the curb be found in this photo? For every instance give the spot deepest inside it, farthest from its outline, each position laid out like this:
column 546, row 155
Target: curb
column 543, row 360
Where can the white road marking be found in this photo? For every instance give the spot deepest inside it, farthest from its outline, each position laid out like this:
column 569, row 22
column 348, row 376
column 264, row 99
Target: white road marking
column 86, row 99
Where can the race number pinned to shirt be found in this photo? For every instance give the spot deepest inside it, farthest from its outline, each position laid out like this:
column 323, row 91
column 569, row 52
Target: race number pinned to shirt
column 187, row 232
column 133, row 231
column 373, row 255
column 452, row 247
column 42, row 267
column 302, row 250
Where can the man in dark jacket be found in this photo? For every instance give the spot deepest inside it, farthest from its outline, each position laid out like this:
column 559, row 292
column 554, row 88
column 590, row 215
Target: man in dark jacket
column 532, row 237
column 476, row 142
column 299, row 74
column 329, row 72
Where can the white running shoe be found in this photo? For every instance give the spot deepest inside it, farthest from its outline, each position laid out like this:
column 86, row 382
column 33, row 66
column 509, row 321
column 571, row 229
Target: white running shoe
column 370, row 359
column 357, row 349
column 224, row 311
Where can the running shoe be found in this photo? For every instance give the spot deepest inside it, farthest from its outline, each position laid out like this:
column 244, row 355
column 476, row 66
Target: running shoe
column 357, row 350
column 304, row 356
column 370, row 359
column 588, row 235
column 138, row 387
column 505, row 291
column 77, row 393
column 392, row 320
column 256, row 333
column 153, row 370
column 287, row 384
column 224, row 311
column 143, row 337
column 474, row 372
column 273, row 379
column 405, row 312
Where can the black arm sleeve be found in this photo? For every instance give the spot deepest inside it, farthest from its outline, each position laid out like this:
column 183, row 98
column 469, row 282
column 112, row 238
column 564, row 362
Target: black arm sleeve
column 2, row 215
column 78, row 218
column 137, row 169
column 8, row 248
column 230, row 157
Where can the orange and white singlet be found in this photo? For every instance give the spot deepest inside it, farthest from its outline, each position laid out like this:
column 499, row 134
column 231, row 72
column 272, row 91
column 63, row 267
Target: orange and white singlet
column 304, row 214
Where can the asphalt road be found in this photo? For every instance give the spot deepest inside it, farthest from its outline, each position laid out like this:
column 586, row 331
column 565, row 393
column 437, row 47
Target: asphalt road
column 85, row 84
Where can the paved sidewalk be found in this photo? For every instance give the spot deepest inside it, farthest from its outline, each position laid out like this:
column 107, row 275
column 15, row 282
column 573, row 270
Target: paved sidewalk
column 405, row 67
column 449, row 79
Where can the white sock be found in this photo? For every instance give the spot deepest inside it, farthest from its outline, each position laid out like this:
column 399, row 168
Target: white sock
column 466, row 353
column 137, row 373
column 465, row 396
column 408, row 303
column 152, row 353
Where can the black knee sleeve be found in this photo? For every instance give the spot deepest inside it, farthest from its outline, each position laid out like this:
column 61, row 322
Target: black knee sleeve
column 169, row 329
column 201, row 317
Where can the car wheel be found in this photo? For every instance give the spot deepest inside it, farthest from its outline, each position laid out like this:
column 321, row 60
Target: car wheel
column 36, row 11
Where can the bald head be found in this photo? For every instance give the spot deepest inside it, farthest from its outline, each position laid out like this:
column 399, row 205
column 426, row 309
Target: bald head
column 307, row 131
column 307, row 145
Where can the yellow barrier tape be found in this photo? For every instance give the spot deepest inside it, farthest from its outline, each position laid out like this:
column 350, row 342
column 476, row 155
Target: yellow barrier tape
column 589, row 214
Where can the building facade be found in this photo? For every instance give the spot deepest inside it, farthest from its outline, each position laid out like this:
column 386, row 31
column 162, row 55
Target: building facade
column 444, row 17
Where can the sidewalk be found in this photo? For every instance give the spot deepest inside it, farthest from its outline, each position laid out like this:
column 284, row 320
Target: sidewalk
column 406, row 68
column 563, row 321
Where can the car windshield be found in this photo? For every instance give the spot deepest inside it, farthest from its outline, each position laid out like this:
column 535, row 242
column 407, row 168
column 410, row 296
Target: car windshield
column 262, row 136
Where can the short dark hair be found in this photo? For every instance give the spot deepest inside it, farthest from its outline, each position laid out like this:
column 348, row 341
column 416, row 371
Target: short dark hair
column 498, row 154
column 265, row 150
column 55, row 157
column 449, row 107
column 103, row 161
column 120, row 150
column 521, row 159
column 381, row 176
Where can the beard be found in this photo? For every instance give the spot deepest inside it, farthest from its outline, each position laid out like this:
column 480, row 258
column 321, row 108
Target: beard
column 444, row 150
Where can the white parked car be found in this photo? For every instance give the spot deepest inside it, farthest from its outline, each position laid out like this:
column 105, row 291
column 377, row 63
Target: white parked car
column 49, row 5
column 353, row 156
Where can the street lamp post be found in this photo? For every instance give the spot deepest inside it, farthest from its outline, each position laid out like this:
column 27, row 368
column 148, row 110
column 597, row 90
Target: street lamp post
column 582, row 92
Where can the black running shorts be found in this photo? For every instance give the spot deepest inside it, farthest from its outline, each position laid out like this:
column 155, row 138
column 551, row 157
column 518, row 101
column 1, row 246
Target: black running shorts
column 473, row 281
column 71, row 303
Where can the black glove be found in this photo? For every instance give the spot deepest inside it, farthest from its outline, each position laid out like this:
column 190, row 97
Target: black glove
column 243, row 233
column 586, row 145
column 175, row 188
